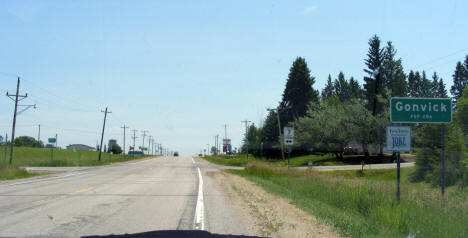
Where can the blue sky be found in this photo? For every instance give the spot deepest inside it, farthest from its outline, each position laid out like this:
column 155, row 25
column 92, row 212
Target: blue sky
column 182, row 69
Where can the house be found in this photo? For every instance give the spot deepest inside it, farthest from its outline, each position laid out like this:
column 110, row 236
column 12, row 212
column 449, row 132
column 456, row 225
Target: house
column 79, row 147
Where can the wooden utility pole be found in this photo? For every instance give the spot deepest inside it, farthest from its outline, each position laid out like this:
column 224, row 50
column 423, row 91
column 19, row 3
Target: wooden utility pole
column 17, row 99
column 102, row 135
column 246, row 137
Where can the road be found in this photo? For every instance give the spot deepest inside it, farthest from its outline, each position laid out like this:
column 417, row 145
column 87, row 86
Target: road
column 148, row 195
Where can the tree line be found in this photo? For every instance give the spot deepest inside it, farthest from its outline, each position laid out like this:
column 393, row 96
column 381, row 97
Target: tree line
column 346, row 111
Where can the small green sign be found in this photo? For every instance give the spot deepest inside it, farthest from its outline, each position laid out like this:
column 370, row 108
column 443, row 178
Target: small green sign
column 420, row 110
column 52, row 140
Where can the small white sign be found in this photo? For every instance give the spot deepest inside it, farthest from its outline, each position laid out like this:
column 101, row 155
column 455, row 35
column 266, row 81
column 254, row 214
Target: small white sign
column 288, row 135
column 399, row 138
column 226, row 142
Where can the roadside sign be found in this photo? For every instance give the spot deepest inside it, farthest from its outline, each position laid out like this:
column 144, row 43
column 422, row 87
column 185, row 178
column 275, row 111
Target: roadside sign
column 420, row 110
column 52, row 140
column 131, row 148
column 288, row 135
column 226, row 141
column 399, row 138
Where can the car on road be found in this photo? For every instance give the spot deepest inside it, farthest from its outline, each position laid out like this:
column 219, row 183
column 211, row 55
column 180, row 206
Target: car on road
column 176, row 154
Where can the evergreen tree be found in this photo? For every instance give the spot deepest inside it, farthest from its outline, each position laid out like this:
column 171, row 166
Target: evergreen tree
column 375, row 56
column 438, row 87
column 355, row 89
column 328, row 91
column 393, row 75
column 425, row 86
column 299, row 92
column 412, row 85
column 342, row 88
column 460, row 80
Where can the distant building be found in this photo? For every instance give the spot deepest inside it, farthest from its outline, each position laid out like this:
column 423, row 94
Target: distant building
column 111, row 143
column 79, row 147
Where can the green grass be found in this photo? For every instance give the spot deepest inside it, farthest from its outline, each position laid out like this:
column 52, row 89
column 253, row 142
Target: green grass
column 25, row 156
column 364, row 205
column 8, row 174
column 317, row 160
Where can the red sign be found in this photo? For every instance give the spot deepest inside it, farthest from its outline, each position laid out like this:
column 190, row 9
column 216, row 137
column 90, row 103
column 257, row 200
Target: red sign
column 224, row 148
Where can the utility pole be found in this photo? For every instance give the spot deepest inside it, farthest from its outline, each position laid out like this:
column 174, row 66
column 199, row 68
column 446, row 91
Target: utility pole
column 134, row 137
column 246, row 136
column 5, row 152
column 279, row 129
column 225, row 136
column 102, row 135
column 149, row 143
column 39, row 134
column 143, row 141
column 17, row 99
column 124, row 127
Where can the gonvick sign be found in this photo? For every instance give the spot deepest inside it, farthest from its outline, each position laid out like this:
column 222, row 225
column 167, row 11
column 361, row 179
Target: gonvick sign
column 420, row 110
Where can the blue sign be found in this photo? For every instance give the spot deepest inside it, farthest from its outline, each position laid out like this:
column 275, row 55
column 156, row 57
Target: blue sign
column 399, row 138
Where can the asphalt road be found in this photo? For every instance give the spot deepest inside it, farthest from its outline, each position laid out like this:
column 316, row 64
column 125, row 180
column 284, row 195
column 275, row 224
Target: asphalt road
column 148, row 195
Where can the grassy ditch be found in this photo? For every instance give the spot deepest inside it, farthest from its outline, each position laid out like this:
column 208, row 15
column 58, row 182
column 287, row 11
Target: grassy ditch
column 25, row 156
column 9, row 174
column 363, row 204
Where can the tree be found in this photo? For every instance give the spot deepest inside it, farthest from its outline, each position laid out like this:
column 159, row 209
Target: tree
column 298, row 93
column 115, row 149
column 329, row 89
column 438, row 87
column 325, row 128
column 342, row 88
column 28, row 141
column 460, row 79
column 373, row 83
column 355, row 89
column 419, row 85
column 393, row 75
column 461, row 114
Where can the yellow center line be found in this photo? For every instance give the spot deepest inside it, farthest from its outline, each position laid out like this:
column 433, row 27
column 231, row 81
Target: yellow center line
column 150, row 168
column 82, row 190
column 39, row 201
column 132, row 175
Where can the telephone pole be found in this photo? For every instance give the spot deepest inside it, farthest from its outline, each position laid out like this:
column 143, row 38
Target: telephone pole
column 17, row 98
column 246, row 136
column 102, row 135
column 39, row 134
column 143, row 141
column 149, row 144
column 124, row 127
column 279, row 129
column 225, row 137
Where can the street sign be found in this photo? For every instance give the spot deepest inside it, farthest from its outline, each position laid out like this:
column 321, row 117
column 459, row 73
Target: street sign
column 399, row 138
column 420, row 110
column 52, row 140
column 288, row 135
column 131, row 148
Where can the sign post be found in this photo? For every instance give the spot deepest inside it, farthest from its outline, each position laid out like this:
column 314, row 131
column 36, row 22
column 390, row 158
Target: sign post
column 398, row 140
column 424, row 110
column 52, row 140
column 288, row 134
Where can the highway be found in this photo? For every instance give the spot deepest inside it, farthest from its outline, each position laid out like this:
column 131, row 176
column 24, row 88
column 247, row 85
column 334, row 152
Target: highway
column 147, row 195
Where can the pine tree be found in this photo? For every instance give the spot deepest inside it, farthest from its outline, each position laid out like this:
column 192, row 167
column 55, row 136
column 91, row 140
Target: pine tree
column 355, row 89
column 412, row 84
column 460, row 79
column 299, row 92
column 373, row 62
column 342, row 88
column 438, row 87
column 393, row 75
column 425, row 86
column 329, row 89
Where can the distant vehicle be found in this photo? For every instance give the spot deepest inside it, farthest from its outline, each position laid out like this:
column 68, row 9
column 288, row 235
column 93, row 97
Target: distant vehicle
column 176, row 154
column 135, row 153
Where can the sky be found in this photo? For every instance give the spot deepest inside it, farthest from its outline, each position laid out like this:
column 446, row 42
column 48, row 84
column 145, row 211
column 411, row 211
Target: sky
column 181, row 70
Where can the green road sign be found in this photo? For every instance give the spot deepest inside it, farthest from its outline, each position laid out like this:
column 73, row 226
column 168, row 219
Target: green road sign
column 421, row 110
column 52, row 140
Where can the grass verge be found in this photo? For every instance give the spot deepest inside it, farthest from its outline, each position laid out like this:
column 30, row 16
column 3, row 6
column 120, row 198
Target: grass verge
column 363, row 204
column 25, row 156
column 9, row 174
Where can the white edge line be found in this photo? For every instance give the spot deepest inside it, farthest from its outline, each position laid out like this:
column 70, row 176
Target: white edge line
column 198, row 220
column 41, row 180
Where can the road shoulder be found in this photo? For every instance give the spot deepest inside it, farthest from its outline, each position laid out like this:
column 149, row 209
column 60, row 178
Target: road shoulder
column 265, row 213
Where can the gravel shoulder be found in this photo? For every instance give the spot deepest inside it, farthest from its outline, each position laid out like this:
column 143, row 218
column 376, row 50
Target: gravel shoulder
column 265, row 213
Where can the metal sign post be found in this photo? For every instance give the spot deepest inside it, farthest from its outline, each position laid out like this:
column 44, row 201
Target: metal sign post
column 424, row 110
column 288, row 140
column 398, row 140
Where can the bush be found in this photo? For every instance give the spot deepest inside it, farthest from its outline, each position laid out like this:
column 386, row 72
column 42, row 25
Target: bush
column 116, row 149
